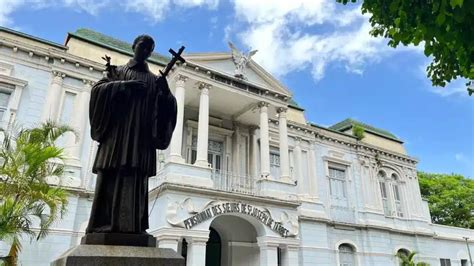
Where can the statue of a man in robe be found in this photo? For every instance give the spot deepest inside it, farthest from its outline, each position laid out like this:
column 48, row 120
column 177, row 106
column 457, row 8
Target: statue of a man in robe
column 132, row 114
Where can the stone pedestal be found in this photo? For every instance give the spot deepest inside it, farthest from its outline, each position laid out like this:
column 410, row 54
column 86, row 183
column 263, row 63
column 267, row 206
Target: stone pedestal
column 118, row 239
column 106, row 255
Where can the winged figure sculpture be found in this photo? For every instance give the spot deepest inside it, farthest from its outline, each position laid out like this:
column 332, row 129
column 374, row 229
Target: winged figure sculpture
column 240, row 60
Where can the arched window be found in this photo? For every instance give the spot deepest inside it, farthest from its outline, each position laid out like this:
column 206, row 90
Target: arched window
column 346, row 255
column 396, row 195
column 401, row 254
column 384, row 192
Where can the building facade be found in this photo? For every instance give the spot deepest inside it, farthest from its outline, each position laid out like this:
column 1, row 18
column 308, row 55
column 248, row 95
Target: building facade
column 246, row 179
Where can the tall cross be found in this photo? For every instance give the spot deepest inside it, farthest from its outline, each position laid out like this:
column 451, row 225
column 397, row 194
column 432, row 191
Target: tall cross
column 176, row 57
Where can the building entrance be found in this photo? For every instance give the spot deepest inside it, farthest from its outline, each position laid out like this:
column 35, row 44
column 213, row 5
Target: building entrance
column 213, row 248
column 232, row 242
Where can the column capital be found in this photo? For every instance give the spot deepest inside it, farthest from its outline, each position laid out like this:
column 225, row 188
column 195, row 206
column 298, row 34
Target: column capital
column 204, row 87
column 263, row 104
column 297, row 141
column 58, row 76
column 282, row 110
column 181, row 79
column 253, row 129
column 236, row 125
column 197, row 240
column 88, row 83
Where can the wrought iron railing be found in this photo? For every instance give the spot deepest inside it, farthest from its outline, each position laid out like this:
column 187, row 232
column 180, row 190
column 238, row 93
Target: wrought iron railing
column 231, row 182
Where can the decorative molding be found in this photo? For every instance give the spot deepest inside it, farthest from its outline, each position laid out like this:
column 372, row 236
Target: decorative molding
column 6, row 69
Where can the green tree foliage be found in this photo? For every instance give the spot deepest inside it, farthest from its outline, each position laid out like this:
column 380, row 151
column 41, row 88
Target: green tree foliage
column 444, row 27
column 409, row 260
column 28, row 203
column 450, row 198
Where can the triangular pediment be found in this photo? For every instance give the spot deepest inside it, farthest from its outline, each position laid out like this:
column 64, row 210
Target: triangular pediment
column 222, row 63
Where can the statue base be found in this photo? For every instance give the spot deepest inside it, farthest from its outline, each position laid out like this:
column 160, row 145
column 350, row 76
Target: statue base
column 119, row 239
column 108, row 255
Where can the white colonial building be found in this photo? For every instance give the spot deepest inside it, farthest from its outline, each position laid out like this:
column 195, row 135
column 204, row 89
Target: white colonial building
column 246, row 179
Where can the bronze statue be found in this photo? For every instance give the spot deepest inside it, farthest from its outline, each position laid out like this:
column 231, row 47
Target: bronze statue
column 132, row 113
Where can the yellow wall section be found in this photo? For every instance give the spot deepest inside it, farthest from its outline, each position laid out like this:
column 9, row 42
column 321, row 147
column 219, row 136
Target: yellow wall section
column 95, row 53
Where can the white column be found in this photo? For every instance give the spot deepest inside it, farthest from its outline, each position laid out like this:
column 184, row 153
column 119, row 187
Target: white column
column 264, row 141
column 298, row 167
column 253, row 151
column 51, row 106
column 236, row 150
column 268, row 254
column 196, row 252
column 177, row 139
column 203, row 126
column 289, row 256
column 313, row 179
column 228, row 153
column 284, row 155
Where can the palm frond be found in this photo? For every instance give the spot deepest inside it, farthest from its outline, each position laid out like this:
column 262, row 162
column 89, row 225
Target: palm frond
column 27, row 158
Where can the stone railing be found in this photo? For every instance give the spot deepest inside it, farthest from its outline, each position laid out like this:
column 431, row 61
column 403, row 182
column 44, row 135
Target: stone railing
column 231, row 182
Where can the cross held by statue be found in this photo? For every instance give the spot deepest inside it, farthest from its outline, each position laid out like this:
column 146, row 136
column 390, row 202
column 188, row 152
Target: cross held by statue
column 176, row 56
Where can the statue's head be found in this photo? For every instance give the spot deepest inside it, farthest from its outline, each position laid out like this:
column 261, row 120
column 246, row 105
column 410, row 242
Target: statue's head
column 142, row 47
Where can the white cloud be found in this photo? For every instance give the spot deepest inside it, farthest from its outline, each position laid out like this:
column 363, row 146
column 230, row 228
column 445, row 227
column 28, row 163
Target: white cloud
column 7, row 7
column 299, row 34
column 155, row 10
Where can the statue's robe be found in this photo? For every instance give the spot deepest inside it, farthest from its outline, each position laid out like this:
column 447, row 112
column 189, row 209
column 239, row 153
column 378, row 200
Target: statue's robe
column 129, row 124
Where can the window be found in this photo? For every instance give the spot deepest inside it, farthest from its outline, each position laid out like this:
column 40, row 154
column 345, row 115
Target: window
column 463, row 262
column 396, row 196
column 215, row 152
column 391, row 194
column 346, row 255
column 402, row 253
column 445, row 262
column 274, row 164
column 337, row 181
column 384, row 193
column 5, row 95
column 4, row 98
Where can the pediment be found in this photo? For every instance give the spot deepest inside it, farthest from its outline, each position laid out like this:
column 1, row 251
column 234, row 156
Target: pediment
column 222, row 63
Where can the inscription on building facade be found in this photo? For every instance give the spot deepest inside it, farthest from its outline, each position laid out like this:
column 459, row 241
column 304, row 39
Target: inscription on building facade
column 230, row 207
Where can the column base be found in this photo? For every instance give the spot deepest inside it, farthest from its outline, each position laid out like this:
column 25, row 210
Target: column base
column 202, row 163
column 277, row 189
column 176, row 159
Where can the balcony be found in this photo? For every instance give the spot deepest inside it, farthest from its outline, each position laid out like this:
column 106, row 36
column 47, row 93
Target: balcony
column 231, row 182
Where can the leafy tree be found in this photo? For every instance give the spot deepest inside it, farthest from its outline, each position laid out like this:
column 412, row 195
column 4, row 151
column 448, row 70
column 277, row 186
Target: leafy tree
column 28, row 203
column 444, row 27
column 450, row 198
column 409, row 260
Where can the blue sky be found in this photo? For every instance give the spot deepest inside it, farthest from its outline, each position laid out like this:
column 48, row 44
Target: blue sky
column 320, row 50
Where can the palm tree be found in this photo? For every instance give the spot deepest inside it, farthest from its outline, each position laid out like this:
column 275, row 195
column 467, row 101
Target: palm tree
column 28, row 203
column 409, row 259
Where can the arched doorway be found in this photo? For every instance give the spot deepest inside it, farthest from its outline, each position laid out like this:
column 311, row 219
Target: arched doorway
column 213, row 248
column 232, row 241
